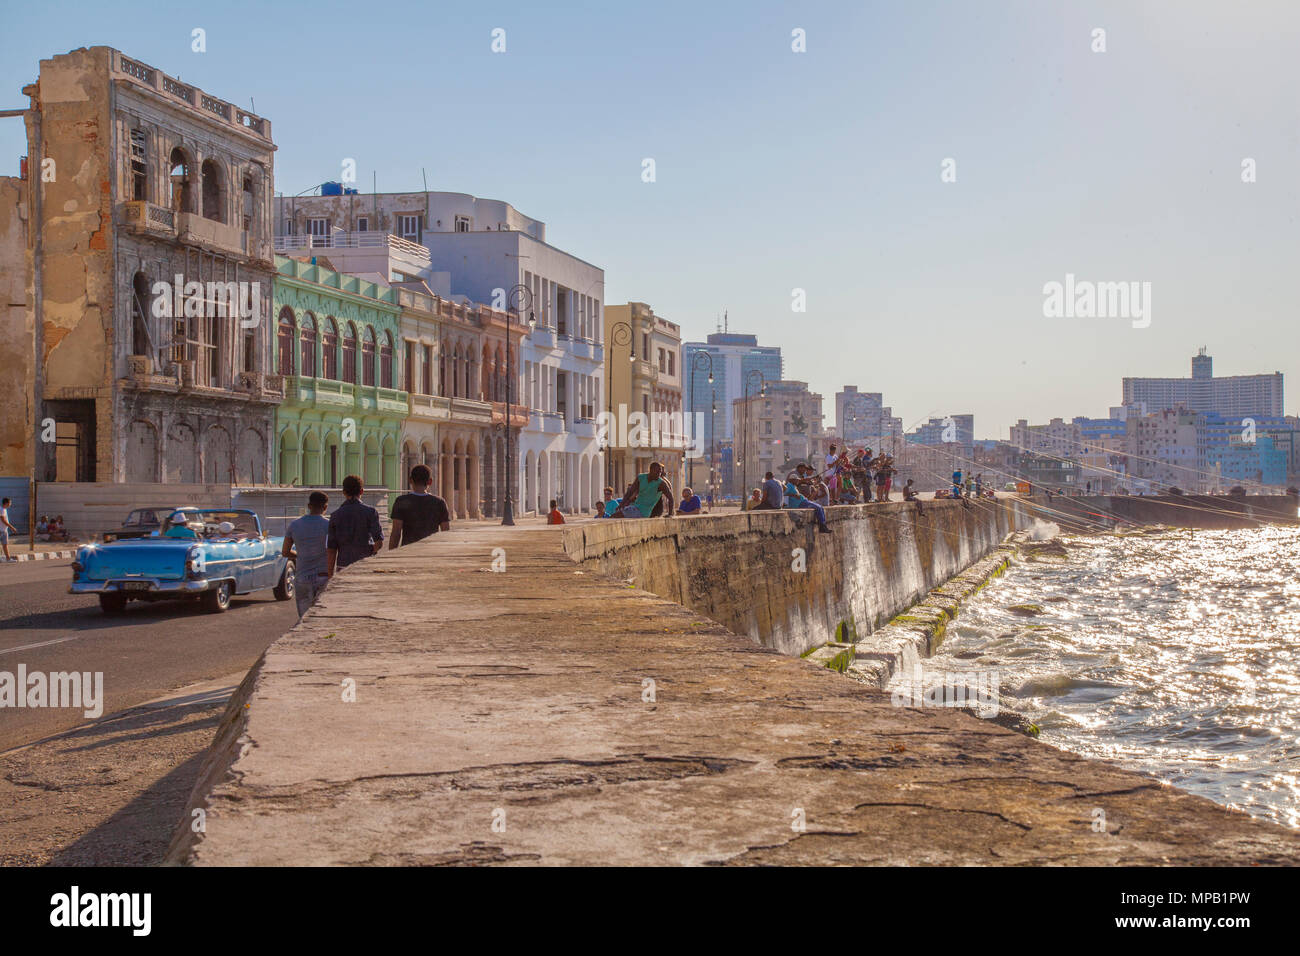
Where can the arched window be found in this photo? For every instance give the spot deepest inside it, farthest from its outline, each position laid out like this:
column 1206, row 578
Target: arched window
column 284, row 339
column 386, row 361
column 368, row 357
column 329, row 350
column 442, row 370
column 214, row 199
column 248, row 203
column 350, row 353
column 455, row 372
column 182, row 197
column 307, row 363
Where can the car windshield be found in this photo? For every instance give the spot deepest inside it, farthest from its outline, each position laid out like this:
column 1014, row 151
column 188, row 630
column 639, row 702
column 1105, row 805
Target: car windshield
column 207, row 523
column 144, row 518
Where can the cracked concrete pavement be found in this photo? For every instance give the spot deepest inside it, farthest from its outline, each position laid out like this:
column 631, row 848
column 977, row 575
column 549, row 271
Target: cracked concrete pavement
column 508, row 718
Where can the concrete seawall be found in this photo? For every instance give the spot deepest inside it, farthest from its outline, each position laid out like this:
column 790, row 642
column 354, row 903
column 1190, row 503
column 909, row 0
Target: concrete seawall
column 742, row 570
column 551, row 714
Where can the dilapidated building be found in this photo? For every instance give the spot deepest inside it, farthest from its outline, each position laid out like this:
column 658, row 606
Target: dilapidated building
column 144, row 208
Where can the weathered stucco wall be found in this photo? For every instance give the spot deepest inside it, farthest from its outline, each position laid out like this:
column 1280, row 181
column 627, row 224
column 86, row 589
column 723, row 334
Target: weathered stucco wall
column 17, row 383
column 743, row 570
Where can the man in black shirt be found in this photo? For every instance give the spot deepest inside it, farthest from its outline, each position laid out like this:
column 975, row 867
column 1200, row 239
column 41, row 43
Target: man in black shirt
column 418, row 514
column 354, row 531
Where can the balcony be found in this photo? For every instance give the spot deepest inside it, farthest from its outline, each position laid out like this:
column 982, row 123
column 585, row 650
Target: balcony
column 469, row 412
column 288, row 245
column 193, row 228
column 519, row 415
column 146, row 219
column 430, row 406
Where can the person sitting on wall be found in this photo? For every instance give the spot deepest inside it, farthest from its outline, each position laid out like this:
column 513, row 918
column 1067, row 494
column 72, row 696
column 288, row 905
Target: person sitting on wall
column 690, row 503
column 755, row 499
column 773, row 494
column 909, row 494
column 608, row 508
column 793, row 499
column 649, row 494
column 554, row 517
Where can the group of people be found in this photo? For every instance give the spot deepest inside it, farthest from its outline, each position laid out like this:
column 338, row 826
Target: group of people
column 857, row 478
column 965, row 488
column 320, row 546
column 649, row 495
column 51, row 529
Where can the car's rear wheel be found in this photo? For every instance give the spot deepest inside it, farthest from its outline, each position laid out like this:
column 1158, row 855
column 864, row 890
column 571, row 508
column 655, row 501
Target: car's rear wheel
column 284, row 590
column 112, row 603
column 217, row 599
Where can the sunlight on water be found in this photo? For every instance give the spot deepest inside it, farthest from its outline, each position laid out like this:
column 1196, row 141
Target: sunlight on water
column 1173, row 652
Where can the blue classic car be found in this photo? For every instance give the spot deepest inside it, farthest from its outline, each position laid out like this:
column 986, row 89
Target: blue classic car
column 204, row 553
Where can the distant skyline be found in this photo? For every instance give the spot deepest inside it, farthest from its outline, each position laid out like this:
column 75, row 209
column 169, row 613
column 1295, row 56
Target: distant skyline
column 820, row 170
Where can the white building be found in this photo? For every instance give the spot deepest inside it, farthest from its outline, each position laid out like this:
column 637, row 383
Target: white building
column 489, row 248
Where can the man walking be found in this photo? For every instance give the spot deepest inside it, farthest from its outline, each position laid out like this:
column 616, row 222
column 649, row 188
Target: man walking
column 6, row 527
column 304, row 542
column 417, row 514
column 354, row 529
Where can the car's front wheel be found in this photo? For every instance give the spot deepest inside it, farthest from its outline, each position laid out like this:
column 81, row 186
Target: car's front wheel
column 217, row 599
column 112, row 602
column 284, row 590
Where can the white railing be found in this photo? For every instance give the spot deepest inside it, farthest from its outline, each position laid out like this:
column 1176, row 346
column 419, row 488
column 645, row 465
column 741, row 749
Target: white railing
column 351, row 240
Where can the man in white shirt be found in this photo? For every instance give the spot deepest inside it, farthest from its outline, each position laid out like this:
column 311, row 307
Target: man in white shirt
column 6, row 527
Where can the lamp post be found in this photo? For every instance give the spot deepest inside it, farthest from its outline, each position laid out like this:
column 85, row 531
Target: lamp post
column 714, row 470
column 620, row 333
column 695, row 363
column 519, row 300
column 744, row 461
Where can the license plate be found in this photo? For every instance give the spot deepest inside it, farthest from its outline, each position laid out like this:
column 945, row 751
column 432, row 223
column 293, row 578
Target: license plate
column 135, row 585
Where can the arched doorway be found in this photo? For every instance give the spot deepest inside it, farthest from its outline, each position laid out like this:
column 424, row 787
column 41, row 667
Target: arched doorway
column 312, row 472
column 289, row 462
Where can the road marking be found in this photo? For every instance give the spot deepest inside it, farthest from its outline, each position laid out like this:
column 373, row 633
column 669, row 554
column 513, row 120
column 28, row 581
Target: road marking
column 28, row 647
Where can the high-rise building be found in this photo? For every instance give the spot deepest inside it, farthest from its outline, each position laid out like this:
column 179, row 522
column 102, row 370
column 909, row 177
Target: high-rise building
column 862, row 419
column 1231, row 395
column 738, row 364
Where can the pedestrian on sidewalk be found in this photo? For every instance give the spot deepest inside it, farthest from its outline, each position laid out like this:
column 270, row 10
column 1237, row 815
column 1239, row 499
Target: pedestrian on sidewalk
column 6, row 527
column 354, row 528
column 417, row 514
column 304, row 543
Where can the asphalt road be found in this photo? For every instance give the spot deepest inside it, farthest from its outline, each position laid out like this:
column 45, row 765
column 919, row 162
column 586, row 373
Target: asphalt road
column 143, row 654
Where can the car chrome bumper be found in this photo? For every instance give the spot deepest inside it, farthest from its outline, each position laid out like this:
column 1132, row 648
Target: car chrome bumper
column 155, row 586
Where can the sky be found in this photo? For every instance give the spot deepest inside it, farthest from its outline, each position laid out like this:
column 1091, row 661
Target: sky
column 821, row 171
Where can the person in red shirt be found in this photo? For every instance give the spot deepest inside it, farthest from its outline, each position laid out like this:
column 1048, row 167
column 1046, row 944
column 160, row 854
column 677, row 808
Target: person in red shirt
column 554, row 517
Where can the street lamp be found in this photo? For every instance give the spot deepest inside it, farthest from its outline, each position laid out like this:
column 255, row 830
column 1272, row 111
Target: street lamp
column 519, row 300
column 620, row 333
column 695, row 363
column 744, row 461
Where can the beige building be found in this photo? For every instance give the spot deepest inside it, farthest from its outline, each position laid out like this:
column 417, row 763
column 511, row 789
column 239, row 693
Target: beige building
column 643, row 365
column 138, row 242
column 777, row 429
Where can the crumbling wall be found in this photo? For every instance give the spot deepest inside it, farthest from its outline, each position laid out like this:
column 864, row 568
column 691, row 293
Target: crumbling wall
column 17, row 361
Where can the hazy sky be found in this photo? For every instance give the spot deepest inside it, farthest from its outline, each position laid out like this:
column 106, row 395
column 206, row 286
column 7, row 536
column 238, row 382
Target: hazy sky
column 820, row 170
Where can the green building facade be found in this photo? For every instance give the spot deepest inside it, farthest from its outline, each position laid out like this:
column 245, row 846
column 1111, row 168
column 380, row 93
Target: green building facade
column 338, row 339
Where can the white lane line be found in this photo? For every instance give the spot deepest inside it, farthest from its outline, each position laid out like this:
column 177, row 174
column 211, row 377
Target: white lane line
column 28, row 647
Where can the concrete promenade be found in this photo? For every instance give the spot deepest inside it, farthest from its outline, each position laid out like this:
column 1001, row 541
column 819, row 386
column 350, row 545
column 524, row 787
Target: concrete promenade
column 506, row 718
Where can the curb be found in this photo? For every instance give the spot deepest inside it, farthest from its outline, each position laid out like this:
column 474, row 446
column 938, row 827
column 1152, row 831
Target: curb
column 45, row 555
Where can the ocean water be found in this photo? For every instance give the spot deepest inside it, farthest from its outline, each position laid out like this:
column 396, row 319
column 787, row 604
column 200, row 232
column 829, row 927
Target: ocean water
column 1173, row 652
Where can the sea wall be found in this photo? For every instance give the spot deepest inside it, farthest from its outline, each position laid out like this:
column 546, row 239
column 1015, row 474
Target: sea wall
column 771, row 576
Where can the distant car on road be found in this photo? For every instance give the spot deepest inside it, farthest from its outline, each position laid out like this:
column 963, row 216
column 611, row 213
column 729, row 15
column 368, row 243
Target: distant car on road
column 140, row 523
column 204, row 553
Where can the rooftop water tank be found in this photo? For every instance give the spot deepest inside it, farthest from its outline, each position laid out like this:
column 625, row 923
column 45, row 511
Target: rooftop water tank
column 331, row 189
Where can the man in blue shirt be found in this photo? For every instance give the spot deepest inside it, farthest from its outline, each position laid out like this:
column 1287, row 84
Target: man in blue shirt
column 304, row 542
column 793, row 499
column 690, row 503
column 354, row 531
